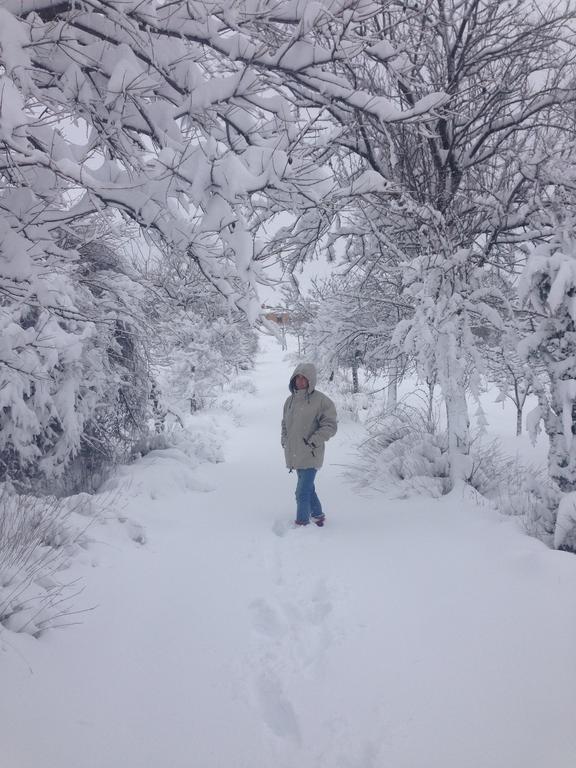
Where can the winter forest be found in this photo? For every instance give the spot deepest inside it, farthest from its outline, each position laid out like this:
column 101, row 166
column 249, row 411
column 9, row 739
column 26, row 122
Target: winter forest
column 386, row 188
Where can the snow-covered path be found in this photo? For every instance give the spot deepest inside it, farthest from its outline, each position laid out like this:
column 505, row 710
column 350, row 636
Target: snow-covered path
column 405, row 634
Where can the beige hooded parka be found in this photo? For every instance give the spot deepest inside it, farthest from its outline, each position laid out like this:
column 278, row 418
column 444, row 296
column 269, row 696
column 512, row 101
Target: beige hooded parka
column 309, row 419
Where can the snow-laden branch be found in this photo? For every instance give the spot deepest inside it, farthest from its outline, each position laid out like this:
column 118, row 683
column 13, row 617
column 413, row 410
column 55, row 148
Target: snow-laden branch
column 184, row 104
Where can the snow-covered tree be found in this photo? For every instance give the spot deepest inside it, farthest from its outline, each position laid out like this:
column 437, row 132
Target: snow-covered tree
column 549, row 291
column 200, row 341
column 448, row 197
column 122, row 416
column 356, row 314
column 411, row 126
column 179, row 117
column 185, row 112
column 506, row 369
column 74, row 364
column 54, row 375
column 450, row 299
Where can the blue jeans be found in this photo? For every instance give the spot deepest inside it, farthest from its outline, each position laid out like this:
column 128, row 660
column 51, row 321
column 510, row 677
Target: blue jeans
column 307, row 502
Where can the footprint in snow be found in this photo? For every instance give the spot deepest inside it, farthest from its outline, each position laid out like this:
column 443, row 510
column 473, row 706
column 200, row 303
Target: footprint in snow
column 320, row 606
column 136, row 532
column 277, row 711
column 265, row 619
column 281, row 527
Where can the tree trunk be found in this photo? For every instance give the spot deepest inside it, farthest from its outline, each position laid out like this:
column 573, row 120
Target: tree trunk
column 355, row 386
column 458, row 425
column 429, row 421
column 518, row 420
column 392, row 389
column 451, row 377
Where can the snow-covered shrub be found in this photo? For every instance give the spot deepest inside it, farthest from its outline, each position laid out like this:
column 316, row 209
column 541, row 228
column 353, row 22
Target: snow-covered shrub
column 408, row 454
column 74, row 383
column 199, row 436
column 538, row 502
column 491, row 468
column 152, row 441
column 37, row 538
column 402, row 452
column 350, row 406
column 241, row 384
column 516, row 489
column 565, row 529
column 52, row 376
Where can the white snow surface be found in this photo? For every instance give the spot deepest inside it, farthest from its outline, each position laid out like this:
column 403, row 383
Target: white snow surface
column 410, row 633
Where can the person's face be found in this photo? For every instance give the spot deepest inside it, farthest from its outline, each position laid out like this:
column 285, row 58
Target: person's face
column 300, row 382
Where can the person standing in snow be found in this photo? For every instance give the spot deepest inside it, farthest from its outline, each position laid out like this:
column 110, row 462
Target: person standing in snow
column 308, row 420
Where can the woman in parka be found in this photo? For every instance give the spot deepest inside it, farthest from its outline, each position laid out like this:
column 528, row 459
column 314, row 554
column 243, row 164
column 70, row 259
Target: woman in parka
column 309, row 419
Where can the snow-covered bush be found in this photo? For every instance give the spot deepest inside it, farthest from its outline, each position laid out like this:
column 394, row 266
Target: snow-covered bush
column 515, row 488
column 351, row 407
column 199, row 436
column 402, row 452
column 52, row 375
column 491, row 468
column 536, row 499
column 405, row 452
column 74, row 378
column 242, row 384
column 565, row 530
column 37, row 538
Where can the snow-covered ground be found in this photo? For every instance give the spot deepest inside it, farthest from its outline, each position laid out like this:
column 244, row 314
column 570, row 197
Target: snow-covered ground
column 405, row 634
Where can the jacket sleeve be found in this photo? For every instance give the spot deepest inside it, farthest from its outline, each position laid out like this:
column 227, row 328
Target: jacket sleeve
column 327, row 422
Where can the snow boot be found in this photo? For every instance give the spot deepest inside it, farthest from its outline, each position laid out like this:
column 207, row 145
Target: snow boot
column 319, row 521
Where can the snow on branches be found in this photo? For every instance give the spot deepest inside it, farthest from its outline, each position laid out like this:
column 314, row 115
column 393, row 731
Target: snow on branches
column 548, row 288
column 182, row 108
column 451, row 301
column 448, row 200
column 184, row 118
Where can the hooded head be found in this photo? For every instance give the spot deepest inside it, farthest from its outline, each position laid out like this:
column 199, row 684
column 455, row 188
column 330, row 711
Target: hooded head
column 308, row 370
